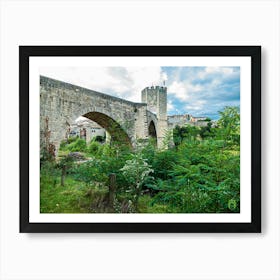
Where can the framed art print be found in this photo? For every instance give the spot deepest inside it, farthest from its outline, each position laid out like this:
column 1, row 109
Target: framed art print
column 140, row 138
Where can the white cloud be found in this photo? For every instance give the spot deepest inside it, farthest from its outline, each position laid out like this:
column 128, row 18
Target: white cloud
column 196, row 105
column 170, row 106
column 142, row 77
column 124, row 82
column 183, row 90
column 164, row 76
column 179, row 90
column 219, row 71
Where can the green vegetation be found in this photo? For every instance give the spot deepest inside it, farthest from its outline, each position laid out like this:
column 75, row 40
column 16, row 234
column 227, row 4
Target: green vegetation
column 199, row 173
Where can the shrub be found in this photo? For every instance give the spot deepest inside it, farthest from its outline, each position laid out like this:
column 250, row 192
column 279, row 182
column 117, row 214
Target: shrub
column 63, row 145
column 93, row 147
column 72, row 139
column 136, row 171
column 163, row 163
column 79, row 145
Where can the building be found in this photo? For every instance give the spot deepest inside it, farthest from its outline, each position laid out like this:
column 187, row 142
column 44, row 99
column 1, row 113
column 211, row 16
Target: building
column 86, row 129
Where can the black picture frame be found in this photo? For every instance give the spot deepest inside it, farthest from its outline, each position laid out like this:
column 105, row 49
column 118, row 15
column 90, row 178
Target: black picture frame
column 254, row 52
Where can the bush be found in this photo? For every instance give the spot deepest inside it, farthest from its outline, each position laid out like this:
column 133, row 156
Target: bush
column 72, row 139
column 93, row 147
column 79, row 145
column 163, row 163
column 64, row 144
column 49, row 174
column 89, row 172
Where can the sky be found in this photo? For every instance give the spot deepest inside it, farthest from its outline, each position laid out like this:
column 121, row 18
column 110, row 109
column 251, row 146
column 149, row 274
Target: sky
column 199, row 91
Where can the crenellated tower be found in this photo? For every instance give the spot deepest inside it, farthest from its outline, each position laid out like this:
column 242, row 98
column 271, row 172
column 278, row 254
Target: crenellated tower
column 156, row 99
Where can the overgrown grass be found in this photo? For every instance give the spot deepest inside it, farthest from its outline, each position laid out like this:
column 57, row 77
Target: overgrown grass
column 73, row 197
column 200, row 173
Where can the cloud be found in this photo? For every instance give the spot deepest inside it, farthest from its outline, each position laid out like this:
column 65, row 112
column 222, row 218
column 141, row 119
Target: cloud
column 218, row 71
column 183, row 89
column 124, row 82
column 178, row 90
column 194, row 90
column 164, row 76
column 197, row 105
column 203, row 90
column 170, row 106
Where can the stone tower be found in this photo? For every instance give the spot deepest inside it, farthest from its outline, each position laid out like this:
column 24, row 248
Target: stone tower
column 156, row 99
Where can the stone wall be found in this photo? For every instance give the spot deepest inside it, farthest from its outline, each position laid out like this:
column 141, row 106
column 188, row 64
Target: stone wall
column 62, row 103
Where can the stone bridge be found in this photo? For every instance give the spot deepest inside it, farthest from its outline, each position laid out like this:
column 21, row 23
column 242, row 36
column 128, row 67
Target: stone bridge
column 62, row 103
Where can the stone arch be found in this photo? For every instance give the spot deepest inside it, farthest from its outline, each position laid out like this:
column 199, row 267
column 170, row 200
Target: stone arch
column 115, row 130
column 152, row 132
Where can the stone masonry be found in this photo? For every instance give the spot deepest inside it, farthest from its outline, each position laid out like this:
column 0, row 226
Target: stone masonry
column 62, row 103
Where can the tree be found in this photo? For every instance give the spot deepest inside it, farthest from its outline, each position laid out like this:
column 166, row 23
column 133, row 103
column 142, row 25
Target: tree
column 187, row 132
column 65, row 163
column 136, row 171
column 229, row 123
column 205, row 131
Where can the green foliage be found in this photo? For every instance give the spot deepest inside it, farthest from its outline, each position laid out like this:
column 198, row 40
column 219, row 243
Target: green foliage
column 79, row 145
column 73, row 144
column 163, row 162
column 72, row 139
column 65, row 161
column 205, row 131
column 89, row 172
column 229, row 124
column 200, row 174
column 64, row 143
column 74, row 197
column 47, row 168
column 136, row 171
column 93, row 147
column 210, row 173
column 64, row 164
column 185, row 133
column 46, row 155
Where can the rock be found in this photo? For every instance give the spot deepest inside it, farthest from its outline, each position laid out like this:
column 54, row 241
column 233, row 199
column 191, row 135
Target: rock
column 76, row 156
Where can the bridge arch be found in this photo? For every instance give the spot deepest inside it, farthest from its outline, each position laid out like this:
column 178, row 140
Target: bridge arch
column 152, row 130
column 113, row 122
column 115, row 130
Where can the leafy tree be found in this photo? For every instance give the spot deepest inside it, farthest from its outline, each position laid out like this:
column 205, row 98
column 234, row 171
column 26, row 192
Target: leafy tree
column 65, row 163
column 89, row 172
column 205, row 131
column 93, row 147
column 185, row 133
column 136, row 171
column 163, row 162
column 229, row 124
